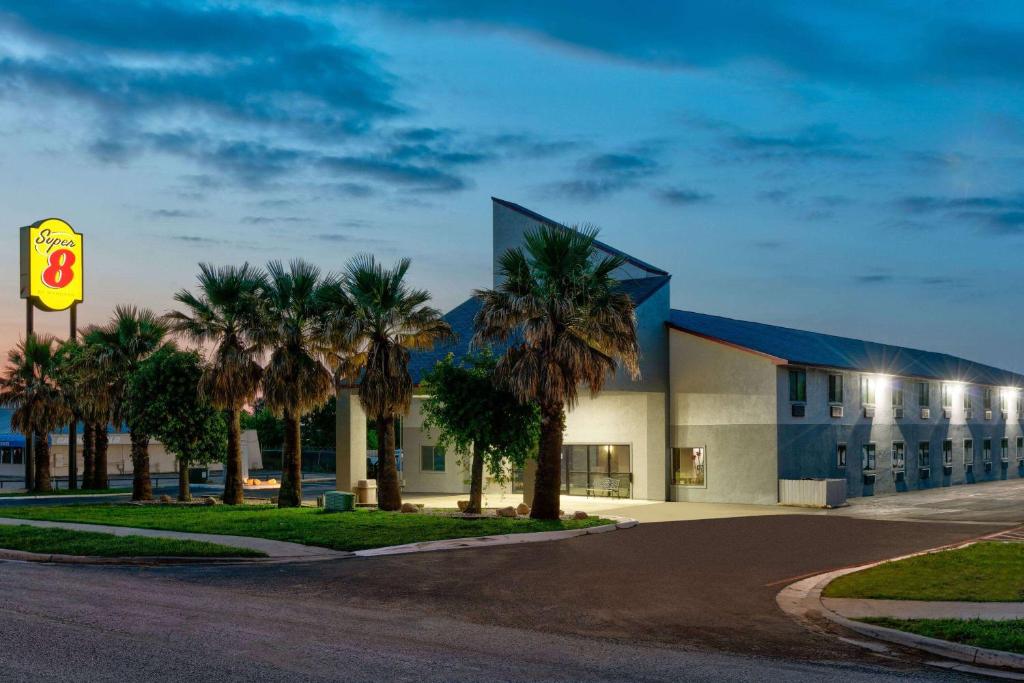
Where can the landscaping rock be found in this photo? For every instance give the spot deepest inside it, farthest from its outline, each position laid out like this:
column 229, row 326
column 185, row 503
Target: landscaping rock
column 463, row 504
column 580, row 514
column 522, row 509
column 166, row 499
column 210, row 500
column 506, row 511
column 409, row 507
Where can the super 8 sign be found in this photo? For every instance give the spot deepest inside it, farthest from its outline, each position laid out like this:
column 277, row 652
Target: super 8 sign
column 51, row 264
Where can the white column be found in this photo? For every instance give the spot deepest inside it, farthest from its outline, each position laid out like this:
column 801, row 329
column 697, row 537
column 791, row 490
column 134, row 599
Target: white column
column 350, row 440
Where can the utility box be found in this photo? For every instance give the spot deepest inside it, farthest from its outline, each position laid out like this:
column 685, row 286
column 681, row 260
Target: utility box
column 339, row 501
column 366, row 492
column 816, row 493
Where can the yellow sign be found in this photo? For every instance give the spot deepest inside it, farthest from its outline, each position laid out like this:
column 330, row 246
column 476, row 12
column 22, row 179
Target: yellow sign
column 51, row 264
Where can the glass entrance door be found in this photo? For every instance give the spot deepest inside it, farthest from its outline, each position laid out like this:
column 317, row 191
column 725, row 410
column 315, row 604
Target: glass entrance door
column 596, row 469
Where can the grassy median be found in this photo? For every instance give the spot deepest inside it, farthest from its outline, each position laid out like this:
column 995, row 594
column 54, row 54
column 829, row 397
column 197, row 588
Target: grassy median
column 994, row 635
column 983, row 572
column 66, row 542
column 357, row 530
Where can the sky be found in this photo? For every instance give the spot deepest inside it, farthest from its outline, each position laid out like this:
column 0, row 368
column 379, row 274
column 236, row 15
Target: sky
column 851, row 167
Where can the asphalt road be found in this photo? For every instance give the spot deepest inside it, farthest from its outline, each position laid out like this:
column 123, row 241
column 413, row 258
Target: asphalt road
column 670, row 601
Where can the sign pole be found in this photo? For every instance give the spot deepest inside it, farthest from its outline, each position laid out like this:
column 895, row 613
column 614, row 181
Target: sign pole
column 29, row 438
column 73, row 427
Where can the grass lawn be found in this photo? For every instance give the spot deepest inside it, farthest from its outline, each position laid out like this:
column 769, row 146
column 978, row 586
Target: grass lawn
column 994, row 635
column 66, row 542
column 983, row 572
column 66, row 492
column 357, row 530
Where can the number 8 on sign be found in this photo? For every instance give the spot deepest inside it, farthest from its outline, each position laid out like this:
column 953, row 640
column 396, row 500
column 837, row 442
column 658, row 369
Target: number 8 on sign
column 60, row 272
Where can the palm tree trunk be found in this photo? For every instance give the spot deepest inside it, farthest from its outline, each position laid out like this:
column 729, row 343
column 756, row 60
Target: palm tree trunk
column 290, row 495
column 476, row 482
column 184, row 489
column 548, row 488
column 142, row 486
column 88, row 463
column 233, row 493
column 42, row 464
column 389, row 492
column 99, row 466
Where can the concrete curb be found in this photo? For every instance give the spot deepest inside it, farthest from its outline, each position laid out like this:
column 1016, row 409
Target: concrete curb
column 426, row 546
column 802, row 601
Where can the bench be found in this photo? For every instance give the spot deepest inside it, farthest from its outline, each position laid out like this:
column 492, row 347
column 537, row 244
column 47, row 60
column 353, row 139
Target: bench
column 608, row 486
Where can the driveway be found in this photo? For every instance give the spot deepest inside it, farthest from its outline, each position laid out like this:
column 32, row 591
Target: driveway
column 988, row 502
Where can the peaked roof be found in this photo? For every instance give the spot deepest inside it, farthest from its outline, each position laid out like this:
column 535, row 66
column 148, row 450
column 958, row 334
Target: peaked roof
column 643, row 265
column 461, row 320
column 799, row 347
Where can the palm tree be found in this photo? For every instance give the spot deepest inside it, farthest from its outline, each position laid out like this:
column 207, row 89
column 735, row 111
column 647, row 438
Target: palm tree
column 130, row 336
column 572, row 325
column 290, row 325
column 29, row 386
column 378, row 320
column 83, row 377
column 222, row 314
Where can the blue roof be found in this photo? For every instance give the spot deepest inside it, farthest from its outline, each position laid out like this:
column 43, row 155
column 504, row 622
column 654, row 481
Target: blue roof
column 461, row 320
column 799, row 347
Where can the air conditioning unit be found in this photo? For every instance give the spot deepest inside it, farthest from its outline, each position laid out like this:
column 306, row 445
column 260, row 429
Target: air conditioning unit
column 947, row 469
column 988, row 467
column 836, row 411
column 900, row 475
column 869, row 411
column 988, row 414
column 947, row 413
column 969, row 467
column 897, row 413
column 926, row 413
column 968, row 414
column 924, row 472
column 798, row 410
column 1005, row 414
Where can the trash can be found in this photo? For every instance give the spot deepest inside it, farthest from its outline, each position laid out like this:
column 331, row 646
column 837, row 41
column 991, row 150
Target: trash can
column 366, row 492
column 339, row 501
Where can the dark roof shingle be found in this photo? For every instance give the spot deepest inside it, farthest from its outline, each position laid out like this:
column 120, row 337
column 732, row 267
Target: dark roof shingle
column 800, row 347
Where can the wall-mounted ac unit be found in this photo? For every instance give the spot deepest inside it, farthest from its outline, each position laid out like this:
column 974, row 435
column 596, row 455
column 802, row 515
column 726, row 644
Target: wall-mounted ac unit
column 1005, row 414
column 924, row 472
column 947, row 413
column 926, row 413
column 968, row 414
column 969, row 467
column 988, row 414
column 900, row 475
column 798, row 410
column 897, row 413
column 869, row 411
column 988, row 467
column 947, row 469
column 835, row 411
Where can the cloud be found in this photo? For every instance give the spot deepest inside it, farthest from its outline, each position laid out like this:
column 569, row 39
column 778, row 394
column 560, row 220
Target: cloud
column 993, row 214
column 604, row 174
column 769, row 244
column 414, row 176
column 195, row 239
column 682, row 196
column 822, row 141
column 171, row 213
column 874, row 278
column 270, row 220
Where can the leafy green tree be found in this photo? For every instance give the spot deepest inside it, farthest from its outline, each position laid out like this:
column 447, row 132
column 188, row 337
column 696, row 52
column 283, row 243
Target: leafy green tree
column 472, row 413
column 576, row 326
column 30, row 386
column 222, row 314
column 122, row 344
column 269, row 428
column 377, row 319
column 164, row 401
column 291, row 327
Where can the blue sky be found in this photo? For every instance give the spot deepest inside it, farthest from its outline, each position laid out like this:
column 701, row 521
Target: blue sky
column 849, row 167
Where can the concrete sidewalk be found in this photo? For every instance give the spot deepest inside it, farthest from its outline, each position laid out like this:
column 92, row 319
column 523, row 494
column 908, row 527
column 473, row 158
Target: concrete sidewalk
column 273, row 549
column 857, row 608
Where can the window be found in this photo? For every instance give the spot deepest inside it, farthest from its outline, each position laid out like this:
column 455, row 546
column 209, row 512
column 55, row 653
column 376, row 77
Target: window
column 869, row 456
column 986, row 394
column 867, row 390
column 17, row 456
column 5, row 456
column 923, row 394
column 1004, row 450
column 967, row 399
column 897, row 394
column 603, row 469
column 688, row 466
column 899, row 456
column 431, row 459
column 835, row 388
column 1020, row 447
column 798, row 385
column 947, row 453
column 986, row 450
column 841, row 455
column 924, row 455
column 1004, row 401
column 968, row 452
column 947, row 396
